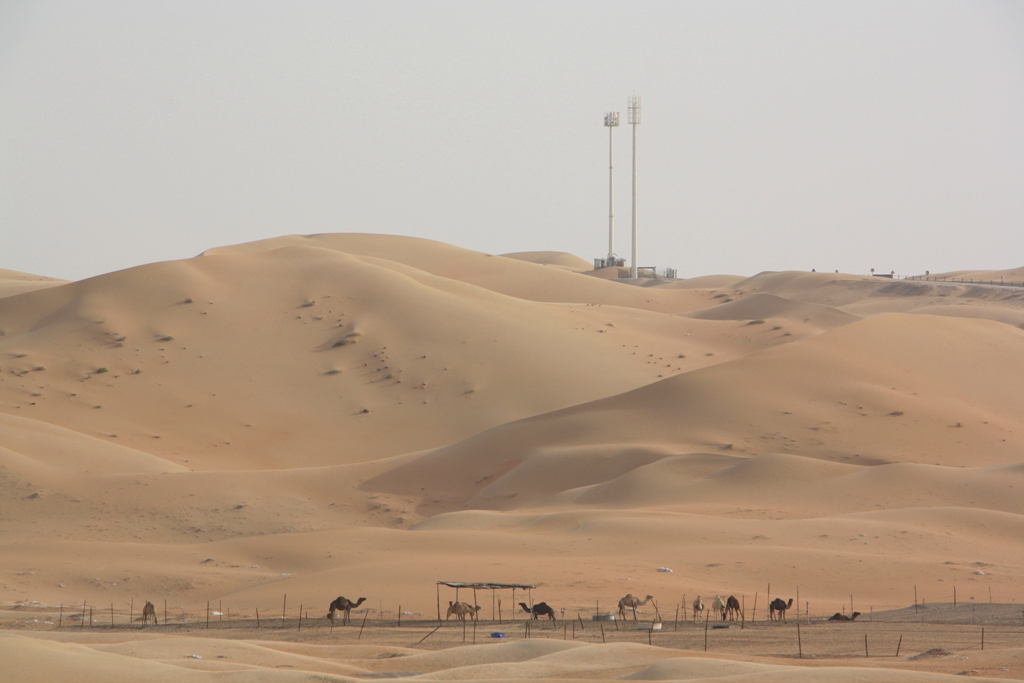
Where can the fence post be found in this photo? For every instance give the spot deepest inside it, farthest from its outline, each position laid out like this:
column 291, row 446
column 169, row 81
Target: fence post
column 367, row 613
column 799, row 641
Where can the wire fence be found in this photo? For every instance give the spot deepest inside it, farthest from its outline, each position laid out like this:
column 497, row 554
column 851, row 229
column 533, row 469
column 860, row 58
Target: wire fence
column 910, row 631
column 961, row 280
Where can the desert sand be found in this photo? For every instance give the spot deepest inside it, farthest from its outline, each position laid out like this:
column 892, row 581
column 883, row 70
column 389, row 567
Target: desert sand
column 270, row 425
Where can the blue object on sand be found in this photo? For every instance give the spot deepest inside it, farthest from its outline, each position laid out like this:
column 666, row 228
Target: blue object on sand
column 497, row 634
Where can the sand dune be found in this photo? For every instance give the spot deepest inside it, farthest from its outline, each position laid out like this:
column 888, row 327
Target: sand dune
column 511, row 276
column 14, row 282
column 202, row 659
column 759, row 307
column 1010, row 274
column 365, row 415
column 887, row 389
column 559, row 259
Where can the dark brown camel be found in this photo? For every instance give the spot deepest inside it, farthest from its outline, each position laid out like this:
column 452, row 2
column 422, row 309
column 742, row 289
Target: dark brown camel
column 147, row 612
column 779, row 606
column 540, row 609
column 345, row 605
column 838, row 616
column 732, row 608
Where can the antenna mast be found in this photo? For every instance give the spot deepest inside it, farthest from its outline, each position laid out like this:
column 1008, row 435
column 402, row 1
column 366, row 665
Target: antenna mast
column 611, row 120
column 634, row 120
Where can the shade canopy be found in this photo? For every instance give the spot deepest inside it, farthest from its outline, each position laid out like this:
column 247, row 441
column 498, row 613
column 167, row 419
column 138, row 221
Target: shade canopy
column 484, row 584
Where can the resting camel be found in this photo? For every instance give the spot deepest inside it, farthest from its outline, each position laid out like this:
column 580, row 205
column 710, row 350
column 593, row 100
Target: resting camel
column 632, row 602
column 345, row 605
column 777, row 605
column 718, row 607
column 732, row 608
column 147, row 612
column 540, row 609
column 461, row 610
column 842, row 617
column 698, row 607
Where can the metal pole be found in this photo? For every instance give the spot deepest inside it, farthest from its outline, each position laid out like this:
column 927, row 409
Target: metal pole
column 634, row 119
column 611, row 213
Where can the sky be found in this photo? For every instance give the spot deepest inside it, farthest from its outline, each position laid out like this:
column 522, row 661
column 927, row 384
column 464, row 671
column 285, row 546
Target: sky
column 784, row 135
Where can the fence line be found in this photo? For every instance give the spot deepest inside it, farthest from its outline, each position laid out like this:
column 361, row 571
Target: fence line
column 965, row 281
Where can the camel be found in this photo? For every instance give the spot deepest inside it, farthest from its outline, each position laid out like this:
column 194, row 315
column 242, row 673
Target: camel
column 346, row 606
column 632, row 602
column 718, row 607
column 698, row 607
column 777, row 605
column 540, row 609
column 147, row 612
column 842, row 617
column 461, row 610
column 732, row 608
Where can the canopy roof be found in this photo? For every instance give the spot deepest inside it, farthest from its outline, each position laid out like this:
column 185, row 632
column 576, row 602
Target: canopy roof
column 484, row 584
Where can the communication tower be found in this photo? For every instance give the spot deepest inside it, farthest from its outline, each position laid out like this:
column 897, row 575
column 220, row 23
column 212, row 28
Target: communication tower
column 611, row 120
column 634, row 120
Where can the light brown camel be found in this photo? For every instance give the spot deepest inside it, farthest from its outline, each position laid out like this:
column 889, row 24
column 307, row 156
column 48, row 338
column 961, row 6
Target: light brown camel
column 698, row 607
column 345, row 605
column 779, row 606
column 461, row 610
column 540, row 609
column 718, row 607
column 732, row 608
column 147, row 612
column 632, row 602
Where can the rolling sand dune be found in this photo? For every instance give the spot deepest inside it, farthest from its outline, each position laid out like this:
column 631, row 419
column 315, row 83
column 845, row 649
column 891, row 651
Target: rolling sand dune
column 365, row 415
column 758, row 307
column 13, row 282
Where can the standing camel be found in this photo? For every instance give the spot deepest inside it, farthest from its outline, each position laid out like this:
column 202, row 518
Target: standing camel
column 780, row 606
column 461, row 610
column 698, row 608
column 540, row 609
column 632, row 602
column 147, row 612
column 718, row 607
column 345, row 605
column 732, row 608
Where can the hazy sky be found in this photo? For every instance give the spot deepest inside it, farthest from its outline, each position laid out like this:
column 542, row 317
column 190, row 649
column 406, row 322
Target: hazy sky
column 774, row 135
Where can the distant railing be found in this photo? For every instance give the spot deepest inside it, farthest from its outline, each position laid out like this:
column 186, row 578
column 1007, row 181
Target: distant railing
column 966, row 281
